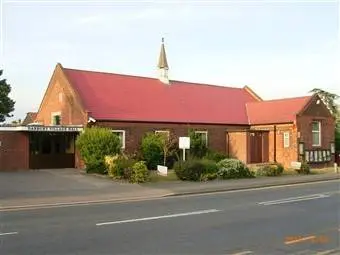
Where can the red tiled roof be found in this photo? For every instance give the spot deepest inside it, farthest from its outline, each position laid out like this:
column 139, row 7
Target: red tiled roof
column 275, row 111
column 131, row 98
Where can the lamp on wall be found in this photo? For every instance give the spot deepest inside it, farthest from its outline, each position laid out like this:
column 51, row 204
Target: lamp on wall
column 332, row 147
column 301, row 148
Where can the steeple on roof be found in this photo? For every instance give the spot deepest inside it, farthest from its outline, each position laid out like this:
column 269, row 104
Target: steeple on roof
column 163, row 62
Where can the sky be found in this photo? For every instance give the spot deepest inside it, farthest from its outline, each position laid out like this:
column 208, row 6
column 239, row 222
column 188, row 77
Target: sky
column 278, row 48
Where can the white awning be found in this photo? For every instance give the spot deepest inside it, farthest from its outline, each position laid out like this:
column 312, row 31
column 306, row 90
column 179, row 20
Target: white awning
column 38, row 128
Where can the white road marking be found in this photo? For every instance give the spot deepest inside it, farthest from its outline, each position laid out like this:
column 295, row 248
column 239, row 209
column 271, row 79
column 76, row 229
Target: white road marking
column 325, row 252
column 300, row 240
column 9, row 233
column 243, row 253
column 159, row 217
column 294, row 199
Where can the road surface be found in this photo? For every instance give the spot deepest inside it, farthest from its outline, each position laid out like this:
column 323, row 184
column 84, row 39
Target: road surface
column 302, row 219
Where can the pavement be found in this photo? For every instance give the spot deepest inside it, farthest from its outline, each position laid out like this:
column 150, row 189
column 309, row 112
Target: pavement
column 300, row 219
column 40, row 188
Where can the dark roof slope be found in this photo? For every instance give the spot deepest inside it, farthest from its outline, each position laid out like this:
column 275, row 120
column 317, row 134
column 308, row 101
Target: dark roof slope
column 30, row 118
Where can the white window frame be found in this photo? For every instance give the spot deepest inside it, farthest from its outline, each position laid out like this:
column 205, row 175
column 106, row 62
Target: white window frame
column 206, row 135
column 286, row 139
column 319, row 132
column 54, row 114
column 167, row 132
column 123, row 136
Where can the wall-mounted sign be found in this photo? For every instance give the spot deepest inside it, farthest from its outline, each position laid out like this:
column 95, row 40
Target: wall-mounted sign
column 333, row 148
column 53, row 129
column 295, row 165
column 301, row 148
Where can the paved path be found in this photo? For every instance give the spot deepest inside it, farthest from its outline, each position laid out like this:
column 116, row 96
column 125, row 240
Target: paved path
column 69, row 186
column 296, row 220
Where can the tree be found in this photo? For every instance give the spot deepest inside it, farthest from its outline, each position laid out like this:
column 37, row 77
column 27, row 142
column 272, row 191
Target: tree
column 168, row 143
column 16, row 122
column 328, row 99
column 6, row 103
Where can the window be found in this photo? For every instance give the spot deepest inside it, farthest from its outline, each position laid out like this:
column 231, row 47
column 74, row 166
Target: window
column 286, row 139
column 203, row 135
column 163, row 132
column 56, row 118
column 316, row 133
column 121, row 135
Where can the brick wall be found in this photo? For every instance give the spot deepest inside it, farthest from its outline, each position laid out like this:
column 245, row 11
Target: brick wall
column 134, row 132
column 14, row 150
column 60, row 97
column 284, row 155
column 238, row 145
column 316, row 111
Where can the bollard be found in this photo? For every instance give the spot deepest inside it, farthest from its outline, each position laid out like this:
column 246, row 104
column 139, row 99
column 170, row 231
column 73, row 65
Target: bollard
column 336, row 170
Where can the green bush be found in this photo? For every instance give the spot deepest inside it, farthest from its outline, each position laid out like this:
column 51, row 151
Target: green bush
column 196, row 170
column 116, row 165
column 139, row 173
column 275, row 169
column 94, row 144
column 215, row 156
column 210, row 171
column 198, row 147
column 305, row 168
column 233, row 168
column 151, row 150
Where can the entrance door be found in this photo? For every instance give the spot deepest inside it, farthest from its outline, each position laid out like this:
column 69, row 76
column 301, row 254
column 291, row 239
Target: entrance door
column 255, row 147
column 259, row 147
column 52, row 150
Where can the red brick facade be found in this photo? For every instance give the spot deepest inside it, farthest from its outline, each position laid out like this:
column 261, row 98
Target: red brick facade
column 316, row 111
column 134, row 132
column 281, row 141
column 277, row 150
column 60, row 97
column 14, row 147
column 301, row 132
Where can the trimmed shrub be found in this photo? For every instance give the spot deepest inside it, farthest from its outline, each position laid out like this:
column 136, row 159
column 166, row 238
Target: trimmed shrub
column 196, row 170
column 305, row 168
column 116, row 165
column 270, row 170
column 210, row 171
column 139, row 173
column 232, row 169
column 151, row 149
column 94, row 144
column 215, row 156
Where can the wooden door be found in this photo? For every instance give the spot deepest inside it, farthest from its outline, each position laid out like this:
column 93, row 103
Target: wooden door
column 255, row 146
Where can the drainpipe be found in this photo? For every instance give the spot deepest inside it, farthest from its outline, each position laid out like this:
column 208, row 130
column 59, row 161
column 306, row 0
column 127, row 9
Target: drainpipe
column 228, row 140
column 275, row 143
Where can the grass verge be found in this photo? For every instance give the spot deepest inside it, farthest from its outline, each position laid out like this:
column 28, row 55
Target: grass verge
column 155, row 177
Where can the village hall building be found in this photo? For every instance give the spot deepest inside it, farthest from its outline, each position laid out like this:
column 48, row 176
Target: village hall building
column 235, row 121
